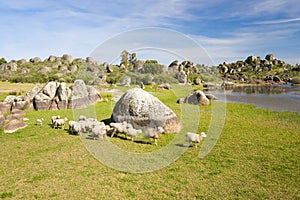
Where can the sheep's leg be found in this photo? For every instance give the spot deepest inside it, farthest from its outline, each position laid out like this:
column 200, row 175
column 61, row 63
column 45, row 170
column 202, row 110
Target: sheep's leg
column 155, row 141
column 112, row 134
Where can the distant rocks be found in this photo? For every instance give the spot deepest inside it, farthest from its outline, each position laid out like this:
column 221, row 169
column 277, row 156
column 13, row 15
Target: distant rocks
column 197, row 98
column 144, row 111
column 255, row 70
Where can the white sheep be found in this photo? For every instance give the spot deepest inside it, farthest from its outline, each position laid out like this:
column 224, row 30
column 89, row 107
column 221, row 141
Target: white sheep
column 154, row 133
column 194, row 138
column 132, row 132
column 59, row 122
column 39, row 122
column 54, row 118
column 119, row 127
column 74, row 127
column 99, row 131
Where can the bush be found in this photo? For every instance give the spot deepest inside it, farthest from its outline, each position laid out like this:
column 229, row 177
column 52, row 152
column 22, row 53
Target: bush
column 152, row 68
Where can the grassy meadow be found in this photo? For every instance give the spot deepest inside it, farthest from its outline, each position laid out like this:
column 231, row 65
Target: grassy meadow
column 256, row 157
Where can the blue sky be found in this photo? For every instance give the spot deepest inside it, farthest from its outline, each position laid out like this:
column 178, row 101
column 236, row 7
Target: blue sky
column 226, row 30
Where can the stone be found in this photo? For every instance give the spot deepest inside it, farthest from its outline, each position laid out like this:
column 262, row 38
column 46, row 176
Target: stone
column 52, row 58
column 90, row 60
column 44, row 70
column 63, row 93
column 197, row 98
column 181, row 77
column 33, row 92
column 15, row 114
column 166, row 86
column 14, row 125
column 144, row 111
column 11, row 66
column 35, row 60
column 73, row 68
column 227, row 85
column 82, row 95
column 66, row 58
column 270, row 57
column 5, row 107
column 50, row 89
column 125, row 81
column 2, row 120
column 276, row 79
column 22, row 105
column 42, row 101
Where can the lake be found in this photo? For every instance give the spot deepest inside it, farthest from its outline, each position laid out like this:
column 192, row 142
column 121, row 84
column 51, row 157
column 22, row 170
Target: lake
column 273, row 97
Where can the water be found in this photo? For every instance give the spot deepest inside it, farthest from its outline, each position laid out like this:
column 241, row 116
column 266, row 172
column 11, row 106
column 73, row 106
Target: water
column 275, row 97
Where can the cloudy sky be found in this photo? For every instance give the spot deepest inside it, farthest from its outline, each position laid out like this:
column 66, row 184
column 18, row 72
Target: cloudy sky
column 224, row 30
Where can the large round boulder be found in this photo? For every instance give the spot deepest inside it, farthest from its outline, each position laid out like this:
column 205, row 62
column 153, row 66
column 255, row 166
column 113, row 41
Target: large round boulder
column 143, row 111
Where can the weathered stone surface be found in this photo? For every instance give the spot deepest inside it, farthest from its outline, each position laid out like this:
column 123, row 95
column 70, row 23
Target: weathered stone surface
column 42, row 101
column 67, row 58
column 11, row 66
column 14, row 125
column 196, row 98
column 2, row 120
column 143, row 111
column 270, row 57
column 56, row 95
column 22, row 105
column 35, row 60
column 5, row 107
column 15, row 114
column 181, row 77
column 33, row 92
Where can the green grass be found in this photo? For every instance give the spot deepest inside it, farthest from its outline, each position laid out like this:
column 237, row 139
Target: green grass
column 256, row 157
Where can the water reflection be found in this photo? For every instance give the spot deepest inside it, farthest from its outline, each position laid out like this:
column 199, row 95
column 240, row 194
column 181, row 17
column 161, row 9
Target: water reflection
column 273, row 97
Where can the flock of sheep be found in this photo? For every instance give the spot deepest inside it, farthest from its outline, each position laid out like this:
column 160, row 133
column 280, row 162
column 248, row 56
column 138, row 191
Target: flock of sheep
column 98, row 129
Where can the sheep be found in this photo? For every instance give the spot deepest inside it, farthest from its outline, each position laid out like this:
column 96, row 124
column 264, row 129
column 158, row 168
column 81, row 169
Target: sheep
column 53, row 118
column 39, row 122
column 119, row 127
column 74, row 127
column 133, row 132
column 99, row 131
column 82, row 118
column 194, row 138
column 154, row 133
column 59, row 122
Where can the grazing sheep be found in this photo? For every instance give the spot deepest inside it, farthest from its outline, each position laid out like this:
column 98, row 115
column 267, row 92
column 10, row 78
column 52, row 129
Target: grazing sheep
column 194, row 138
column 54, row 118
column 119, row 127
column 133, row 132
column 59, row 122
column 74, row 127
column 82, row 118
column 154, row 133
column 39, row 122
column 99, row 131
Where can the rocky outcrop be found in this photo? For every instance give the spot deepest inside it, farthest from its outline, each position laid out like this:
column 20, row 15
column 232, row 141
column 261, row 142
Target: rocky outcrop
column 144, row 111
column 197, row 98
column 56, row 95
column 255, row 70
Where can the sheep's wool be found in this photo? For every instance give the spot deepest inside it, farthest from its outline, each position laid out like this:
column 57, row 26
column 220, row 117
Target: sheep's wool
column 143, row 111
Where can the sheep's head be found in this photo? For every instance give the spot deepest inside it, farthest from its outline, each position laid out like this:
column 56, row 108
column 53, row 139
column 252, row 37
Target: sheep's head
column 66, row 119
column 202, row 134
column 160, row 130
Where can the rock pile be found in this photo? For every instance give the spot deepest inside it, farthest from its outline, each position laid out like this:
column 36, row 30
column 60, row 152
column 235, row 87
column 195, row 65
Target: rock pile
column 56, row 96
